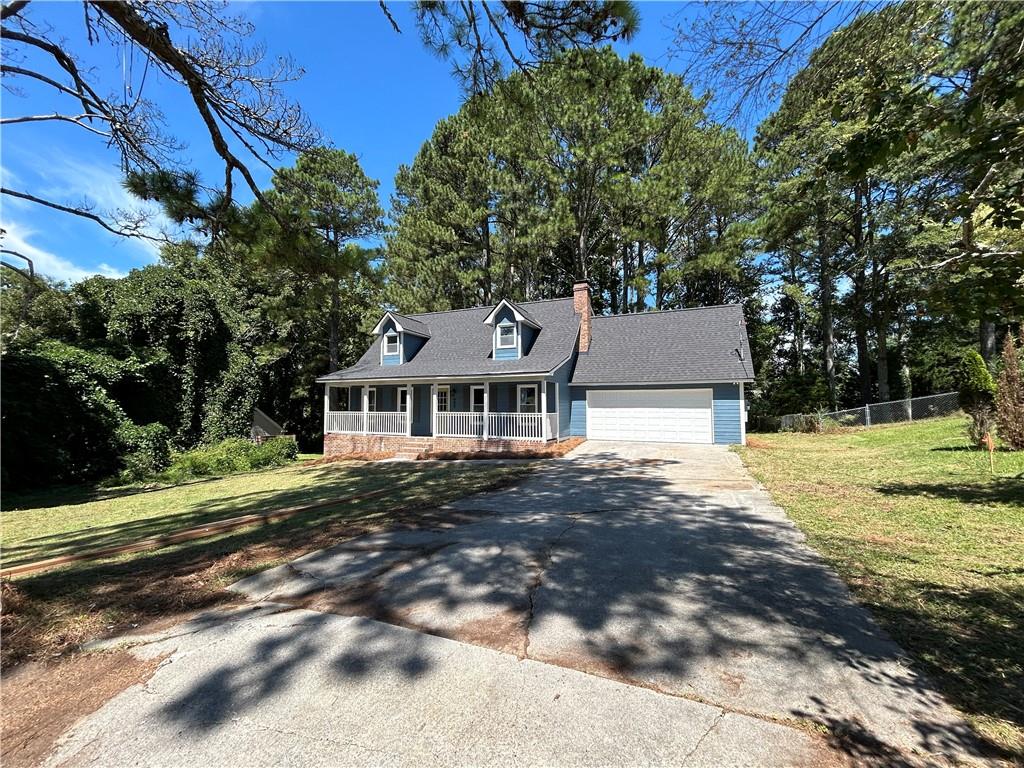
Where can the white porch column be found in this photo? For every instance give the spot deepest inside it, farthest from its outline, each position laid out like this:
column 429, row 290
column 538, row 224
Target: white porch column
column 487, row 408
column 366, row 409
column 408, row 410
column 743, row 416
column 433, row 410
column 543, row 389
column 327, row 404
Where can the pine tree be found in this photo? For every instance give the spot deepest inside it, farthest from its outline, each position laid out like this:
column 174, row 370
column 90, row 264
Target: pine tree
column 1010, row 395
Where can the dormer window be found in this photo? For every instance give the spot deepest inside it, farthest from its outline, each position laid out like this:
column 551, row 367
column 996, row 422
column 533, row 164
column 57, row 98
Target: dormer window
column 507, row 336
column 391, row 344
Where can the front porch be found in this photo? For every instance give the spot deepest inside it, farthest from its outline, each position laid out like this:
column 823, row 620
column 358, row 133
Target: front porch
column 502, row 411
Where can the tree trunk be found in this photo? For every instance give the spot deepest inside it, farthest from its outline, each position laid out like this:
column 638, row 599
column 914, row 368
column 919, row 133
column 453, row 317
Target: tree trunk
column 334, row 327
column 860, row 322
column 641, row 298
column 486, row 283
column 798, row 324
column 880, row 286
column 626, row 275
column 659, row 285
column 987, row 339
column 613, row 285
column 827, row 291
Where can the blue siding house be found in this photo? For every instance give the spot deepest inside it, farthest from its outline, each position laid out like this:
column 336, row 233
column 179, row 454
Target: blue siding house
column 514, row 375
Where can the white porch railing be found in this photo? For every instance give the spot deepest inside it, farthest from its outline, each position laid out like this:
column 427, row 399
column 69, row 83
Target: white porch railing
column 386, row 423
column 459, row 424
column 344, row 421
column 372, row 423
column 515, row 426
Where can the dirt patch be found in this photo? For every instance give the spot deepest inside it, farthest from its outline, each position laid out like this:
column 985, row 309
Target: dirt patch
column 552, row 451
column 41, row 701
column 757, row 442
column 504, row 631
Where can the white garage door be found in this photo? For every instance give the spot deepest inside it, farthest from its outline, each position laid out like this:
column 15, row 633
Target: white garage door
column 656, row 415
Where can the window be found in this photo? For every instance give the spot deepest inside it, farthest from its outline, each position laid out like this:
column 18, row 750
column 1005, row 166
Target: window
column 371, row 399
column 403, row 400
column 476, row 399
column 506, row 336
column 390, row 343
column 442, row 399
column 527, row 398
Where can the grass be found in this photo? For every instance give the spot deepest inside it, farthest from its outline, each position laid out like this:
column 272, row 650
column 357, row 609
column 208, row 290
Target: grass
column 930, row 540
column 49, row 613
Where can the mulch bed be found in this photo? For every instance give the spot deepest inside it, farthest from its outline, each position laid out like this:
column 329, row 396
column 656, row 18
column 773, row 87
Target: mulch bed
column 554, row 450
column 43, row 700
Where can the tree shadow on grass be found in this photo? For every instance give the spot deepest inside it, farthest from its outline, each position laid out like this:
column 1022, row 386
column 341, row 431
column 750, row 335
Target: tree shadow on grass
column 997, row 491
column 324, row 483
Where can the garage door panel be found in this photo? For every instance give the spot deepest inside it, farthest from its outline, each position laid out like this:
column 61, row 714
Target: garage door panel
column 656, row 415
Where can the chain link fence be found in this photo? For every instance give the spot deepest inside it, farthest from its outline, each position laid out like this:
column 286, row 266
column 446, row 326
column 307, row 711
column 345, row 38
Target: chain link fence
column 889, row 412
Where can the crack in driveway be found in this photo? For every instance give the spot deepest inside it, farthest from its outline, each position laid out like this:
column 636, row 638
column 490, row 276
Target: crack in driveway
column 541, row 565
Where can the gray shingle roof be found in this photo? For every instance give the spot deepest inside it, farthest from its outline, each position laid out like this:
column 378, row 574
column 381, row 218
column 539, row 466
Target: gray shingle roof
column 460, row 344
column 682, row 346
column 412, row 325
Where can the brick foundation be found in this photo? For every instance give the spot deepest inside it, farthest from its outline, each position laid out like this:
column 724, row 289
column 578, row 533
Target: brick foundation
column 340, row 444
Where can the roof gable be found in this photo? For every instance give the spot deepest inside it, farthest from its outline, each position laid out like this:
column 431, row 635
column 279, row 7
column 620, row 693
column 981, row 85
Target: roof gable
column 402, row 323
column 518, row 312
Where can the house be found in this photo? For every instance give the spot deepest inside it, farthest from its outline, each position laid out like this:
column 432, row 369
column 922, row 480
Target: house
column 512, row 375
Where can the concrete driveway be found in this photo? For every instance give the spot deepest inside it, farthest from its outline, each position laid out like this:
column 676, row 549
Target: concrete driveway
column 630, row 604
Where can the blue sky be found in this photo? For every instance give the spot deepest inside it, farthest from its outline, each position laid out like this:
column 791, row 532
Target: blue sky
column 371, row 91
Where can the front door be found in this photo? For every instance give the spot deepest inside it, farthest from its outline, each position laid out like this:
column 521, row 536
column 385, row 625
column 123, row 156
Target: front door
column 476, row 399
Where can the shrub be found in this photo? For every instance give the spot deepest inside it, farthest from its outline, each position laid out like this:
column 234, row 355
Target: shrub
column 228, row 456
column 1010, row 395
column 809, row 422
column 977, row 395
column 146, row 451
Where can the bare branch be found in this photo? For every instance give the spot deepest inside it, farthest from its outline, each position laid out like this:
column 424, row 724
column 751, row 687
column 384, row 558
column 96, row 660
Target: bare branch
column 75, row 119
column 133, row 230
column 387, row 13
column 12, row 9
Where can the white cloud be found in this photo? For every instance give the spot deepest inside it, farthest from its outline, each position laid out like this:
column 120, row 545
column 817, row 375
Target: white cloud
column 99, row 188
column 16, row 238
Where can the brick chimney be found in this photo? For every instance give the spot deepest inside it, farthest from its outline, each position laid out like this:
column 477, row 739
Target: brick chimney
column 581, row 303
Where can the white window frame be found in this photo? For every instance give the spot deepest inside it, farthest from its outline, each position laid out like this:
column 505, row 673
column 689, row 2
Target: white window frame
column 472, row 397
column 515, row 335
column 447, row 398
column 403, row 399
column 398, row 343
column 519, row 398
column 371, row 399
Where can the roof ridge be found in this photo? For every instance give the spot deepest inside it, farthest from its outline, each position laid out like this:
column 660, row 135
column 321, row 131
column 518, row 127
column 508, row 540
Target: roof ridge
column 648, row 312
column 487, row 306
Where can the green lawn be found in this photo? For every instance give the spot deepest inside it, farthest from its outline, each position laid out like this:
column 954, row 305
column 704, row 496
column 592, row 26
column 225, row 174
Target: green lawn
column 929, row 539
column 53, row 611
column 42, row 525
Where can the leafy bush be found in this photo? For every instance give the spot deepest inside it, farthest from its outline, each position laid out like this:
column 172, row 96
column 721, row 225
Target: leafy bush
column 59, row 423
column 977, row 396
column 229, row 456
column 1010, row 395
column 146, row 450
